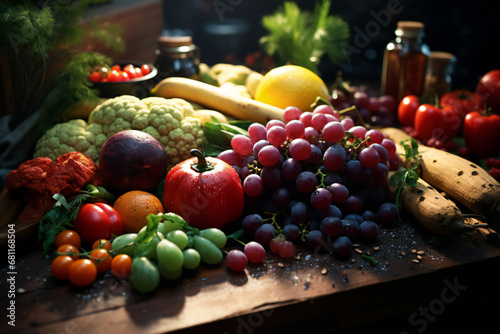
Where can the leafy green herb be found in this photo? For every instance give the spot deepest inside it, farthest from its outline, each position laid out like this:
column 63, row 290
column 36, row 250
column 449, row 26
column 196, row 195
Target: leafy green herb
column 302, row 38
column 41, row 40
column 406, row 176
column 143, row 239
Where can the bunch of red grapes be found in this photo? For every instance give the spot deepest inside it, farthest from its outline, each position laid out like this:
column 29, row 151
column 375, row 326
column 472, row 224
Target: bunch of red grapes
column 314, row 178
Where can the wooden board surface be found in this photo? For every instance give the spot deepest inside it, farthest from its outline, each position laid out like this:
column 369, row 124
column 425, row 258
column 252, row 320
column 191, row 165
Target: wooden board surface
column 265, row 297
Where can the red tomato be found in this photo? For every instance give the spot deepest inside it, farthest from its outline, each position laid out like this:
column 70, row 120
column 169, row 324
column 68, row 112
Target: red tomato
column 68, row 237
column 130, row 70
column 434, row 122
column 121, row 265
column 463, row 100
column 481, row 134
column 407, row 109
column 145, row 69
column 113, row 76
column 102, row 259
column 95, row 76
column 116, row 221
column 69, row 250
column 60, row 267
column 123, row 76
column 92, row 223
column 206, row 192
column 116, row 68
column 102, row 243
column 488, row 88
column 82, row 272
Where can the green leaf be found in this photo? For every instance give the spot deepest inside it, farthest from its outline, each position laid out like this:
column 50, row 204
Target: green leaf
column 302, row 38
column 370, row 259
column 60, row 201
column 237, row 235
column 212, row 150
column 143, row 239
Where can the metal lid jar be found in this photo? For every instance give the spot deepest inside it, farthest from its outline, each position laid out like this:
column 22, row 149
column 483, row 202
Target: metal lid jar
column 177, row 56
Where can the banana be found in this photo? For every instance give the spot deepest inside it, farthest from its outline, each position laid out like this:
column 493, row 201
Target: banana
column 218, row 99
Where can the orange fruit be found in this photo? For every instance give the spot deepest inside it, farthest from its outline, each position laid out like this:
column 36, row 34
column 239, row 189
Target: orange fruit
column 134, row 206
column 291, row 85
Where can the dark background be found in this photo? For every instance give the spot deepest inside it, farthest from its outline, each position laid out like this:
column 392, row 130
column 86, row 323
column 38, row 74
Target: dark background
column 468, row 29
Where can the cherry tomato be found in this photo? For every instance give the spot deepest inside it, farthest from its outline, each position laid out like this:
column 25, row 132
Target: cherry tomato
column 145, row 69
column 68, row 249
column 92, row 223
column 104, row 259
column 116, row 221
column 68, row 237
column 116, row 68
column 121, row 265
column 95, row 76
column 206, row 192
column 130, row 70
column 138, row 72
column 434, row 122
column 82, row 272
column 123, row 76
column 407, row 109
column 60, row 267
column 113, row 76
column 481, row 134
column 488, row 88
column 102, row 243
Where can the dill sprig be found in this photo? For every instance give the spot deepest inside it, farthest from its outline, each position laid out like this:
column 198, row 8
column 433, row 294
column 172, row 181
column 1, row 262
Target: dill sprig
column 302, row 38
column 41, row 40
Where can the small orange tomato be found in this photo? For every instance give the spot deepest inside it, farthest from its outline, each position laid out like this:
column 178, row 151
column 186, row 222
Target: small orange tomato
column 68, row 237
column 60, row 267
column 102, row 259
column 82, row 272
column 70, row 250
column 102, row 243
column 121, row 265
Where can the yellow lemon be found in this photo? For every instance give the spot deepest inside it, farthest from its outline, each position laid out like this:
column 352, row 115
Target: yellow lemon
column 291, row 85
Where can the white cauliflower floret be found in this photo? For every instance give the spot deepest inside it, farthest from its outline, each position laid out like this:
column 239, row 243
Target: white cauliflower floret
column 120, row 113
column 183, row 139
column 74, row 135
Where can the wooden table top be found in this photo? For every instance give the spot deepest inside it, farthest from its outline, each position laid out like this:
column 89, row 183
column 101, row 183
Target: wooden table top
column 316, row 289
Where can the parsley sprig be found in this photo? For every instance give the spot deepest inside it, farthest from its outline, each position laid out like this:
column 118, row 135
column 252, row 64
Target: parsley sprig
column 406, row 175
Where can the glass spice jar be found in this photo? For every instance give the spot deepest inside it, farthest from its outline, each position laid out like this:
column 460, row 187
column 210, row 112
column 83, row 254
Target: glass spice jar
column 438, row 76
column 177, row 56
column 405, row 61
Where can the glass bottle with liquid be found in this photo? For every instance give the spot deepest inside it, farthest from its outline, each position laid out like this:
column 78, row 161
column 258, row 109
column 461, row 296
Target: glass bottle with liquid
column 405, row 62
column 438, row 76
column 177, row 56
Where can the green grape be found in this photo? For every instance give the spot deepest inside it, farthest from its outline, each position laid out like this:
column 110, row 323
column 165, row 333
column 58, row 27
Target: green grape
column 144, row 274
column 210, row 254
column 169, row 255
column 179, row 238
column 214, row 235
column 156, row 239
column 169, row 274
column 191, row 258
column 119, row 245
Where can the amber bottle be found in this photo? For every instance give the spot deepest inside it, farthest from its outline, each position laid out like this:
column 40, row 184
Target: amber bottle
column 405, row 62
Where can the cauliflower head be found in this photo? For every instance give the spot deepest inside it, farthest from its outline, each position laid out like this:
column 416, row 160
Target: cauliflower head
column 74, row 135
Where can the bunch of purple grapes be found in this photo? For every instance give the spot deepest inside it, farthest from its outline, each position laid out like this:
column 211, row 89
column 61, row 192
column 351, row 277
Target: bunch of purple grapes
column 314, row 178
column 374, row 109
